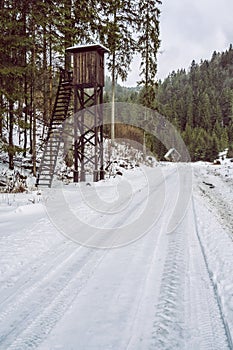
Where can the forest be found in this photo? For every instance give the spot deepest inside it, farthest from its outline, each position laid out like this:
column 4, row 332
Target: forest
column 198, row 102
column 33, row 38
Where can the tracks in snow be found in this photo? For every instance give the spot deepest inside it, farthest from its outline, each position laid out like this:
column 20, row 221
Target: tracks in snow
column 29, row 313
column 154, row 294
column 188, row 314
column 169, row 325
column 216, row 304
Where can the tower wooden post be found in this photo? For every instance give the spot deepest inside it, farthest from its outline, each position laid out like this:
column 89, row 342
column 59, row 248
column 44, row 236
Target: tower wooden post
column 88, row 84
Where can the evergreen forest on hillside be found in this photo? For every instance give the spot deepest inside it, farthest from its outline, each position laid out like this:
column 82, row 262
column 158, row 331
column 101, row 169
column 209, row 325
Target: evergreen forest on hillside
column 199, row 102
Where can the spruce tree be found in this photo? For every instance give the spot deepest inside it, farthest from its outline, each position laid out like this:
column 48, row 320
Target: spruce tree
column 116, row 33
column 12, row 65
column 148, row 39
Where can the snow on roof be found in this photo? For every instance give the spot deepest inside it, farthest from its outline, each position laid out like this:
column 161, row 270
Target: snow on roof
column 88, row 47
column 172, row 154
column 223, row 153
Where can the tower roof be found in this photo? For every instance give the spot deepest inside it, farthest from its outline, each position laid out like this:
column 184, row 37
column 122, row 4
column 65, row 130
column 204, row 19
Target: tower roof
column 85, row 48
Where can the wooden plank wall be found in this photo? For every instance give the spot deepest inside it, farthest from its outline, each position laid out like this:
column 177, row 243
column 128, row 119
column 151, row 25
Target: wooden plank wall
column 89, row 68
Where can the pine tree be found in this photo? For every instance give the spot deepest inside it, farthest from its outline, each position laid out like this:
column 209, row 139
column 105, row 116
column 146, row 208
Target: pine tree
column 148, row 39
column 116, row 33
column 189, row 106
column 205, row 112
column 12, row 65
column 215, row 147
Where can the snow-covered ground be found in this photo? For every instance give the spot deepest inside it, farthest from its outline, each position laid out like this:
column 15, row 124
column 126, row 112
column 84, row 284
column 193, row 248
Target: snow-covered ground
column 138, row 262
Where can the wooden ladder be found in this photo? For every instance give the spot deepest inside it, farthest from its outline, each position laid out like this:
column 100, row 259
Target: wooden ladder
column 54, row 136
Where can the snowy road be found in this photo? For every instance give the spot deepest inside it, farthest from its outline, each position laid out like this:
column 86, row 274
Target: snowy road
column 168, row 289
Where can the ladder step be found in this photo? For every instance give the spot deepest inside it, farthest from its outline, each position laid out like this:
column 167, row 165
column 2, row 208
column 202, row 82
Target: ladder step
column 61, row 105
column 63, row 96
column 54, row 140
column 51, row 153
column 64, row 92
column 47, row 166
column 44, row 181
column 46, row 178
column 59, row 114
column 58, row 121
column 60, row 109
column 52, row 150
column 47, row 171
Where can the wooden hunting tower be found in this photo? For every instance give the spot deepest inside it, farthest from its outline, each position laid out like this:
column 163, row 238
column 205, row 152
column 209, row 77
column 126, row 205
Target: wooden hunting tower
column 88, row 83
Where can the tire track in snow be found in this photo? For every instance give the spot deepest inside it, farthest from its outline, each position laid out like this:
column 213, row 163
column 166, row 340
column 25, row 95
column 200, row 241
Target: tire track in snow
column 48, row 269
column 35, row 332
column 37, row 268
column 141, row 328
column 168, row 327
column 187, row 314
column 36, row 299
column 21, row 241
column 218, row 304
column 35, row 288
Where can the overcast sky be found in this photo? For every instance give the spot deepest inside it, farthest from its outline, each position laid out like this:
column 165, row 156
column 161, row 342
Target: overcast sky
column 190, row 29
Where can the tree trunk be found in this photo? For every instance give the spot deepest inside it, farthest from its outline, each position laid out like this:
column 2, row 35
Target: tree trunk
column 25, row 82
column 34, row 143
column 50, row 75
column 11, row 143
column 113, row 104
column 30, row 119
column 32, row 106
column 25, row 117
column 1, row 116
column 68, row 34
column 45, row 77
column 113, row 85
